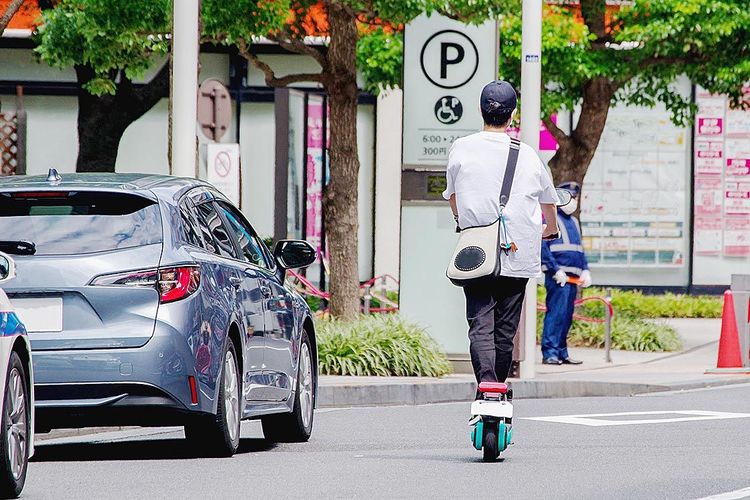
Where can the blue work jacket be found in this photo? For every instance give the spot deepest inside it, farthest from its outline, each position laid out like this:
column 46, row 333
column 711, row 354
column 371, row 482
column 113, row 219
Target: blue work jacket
column 566, row 252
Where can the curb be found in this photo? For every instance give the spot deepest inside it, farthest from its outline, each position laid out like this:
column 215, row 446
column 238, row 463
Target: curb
column 395, row 394
column 56, row 434
column 430, row 391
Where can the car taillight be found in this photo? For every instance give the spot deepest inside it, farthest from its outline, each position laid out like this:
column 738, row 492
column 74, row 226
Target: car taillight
column 172, row 283
column 176, row 283
column 133, row 278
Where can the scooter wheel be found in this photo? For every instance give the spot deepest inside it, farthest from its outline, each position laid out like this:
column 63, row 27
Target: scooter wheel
column 490, row 443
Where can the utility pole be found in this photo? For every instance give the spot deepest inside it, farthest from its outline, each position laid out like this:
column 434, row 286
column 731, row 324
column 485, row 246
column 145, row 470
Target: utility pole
column 184, row 88
column 531, row 88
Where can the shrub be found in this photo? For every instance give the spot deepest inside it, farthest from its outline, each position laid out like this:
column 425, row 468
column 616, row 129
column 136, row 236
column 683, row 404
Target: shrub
column 383, row 345
column 636, row 304
column 628, row 334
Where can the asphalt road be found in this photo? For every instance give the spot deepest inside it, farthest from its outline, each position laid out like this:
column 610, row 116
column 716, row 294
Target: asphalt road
column 424, row 452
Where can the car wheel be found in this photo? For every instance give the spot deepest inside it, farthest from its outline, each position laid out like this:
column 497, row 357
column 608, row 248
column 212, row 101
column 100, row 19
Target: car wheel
column 14, row 435
column 219, row 435
column 296, row 427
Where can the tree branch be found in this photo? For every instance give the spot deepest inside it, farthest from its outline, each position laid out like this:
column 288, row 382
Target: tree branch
column 271, row 79
column 299, row 47
column 10, row 11
column 152, row 92
column 556, row 131
column 594, row 16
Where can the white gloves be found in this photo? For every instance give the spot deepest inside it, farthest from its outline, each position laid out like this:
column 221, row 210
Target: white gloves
column 560, row 277
column 585, row 280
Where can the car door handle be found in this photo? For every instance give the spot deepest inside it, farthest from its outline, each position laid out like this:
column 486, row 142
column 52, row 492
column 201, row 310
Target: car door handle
column 236, row 281
column 265, row 291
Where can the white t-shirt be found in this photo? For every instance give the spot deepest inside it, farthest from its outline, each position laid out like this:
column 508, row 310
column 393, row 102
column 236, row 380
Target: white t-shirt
column 476, row 167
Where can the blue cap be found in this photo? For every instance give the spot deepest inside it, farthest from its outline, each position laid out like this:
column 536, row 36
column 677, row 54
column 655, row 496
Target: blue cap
column 572, row 186
column 498, row 95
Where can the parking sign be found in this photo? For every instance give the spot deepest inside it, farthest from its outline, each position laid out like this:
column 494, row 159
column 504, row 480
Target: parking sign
column 446, row 64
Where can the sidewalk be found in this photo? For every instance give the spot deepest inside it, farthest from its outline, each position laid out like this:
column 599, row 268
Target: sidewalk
column 629, row 373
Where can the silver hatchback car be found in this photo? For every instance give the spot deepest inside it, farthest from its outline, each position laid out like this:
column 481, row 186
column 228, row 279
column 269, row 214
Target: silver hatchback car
column 150, row 300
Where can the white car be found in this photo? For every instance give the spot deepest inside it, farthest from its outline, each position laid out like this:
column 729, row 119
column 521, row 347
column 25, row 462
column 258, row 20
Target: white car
column 17, row 404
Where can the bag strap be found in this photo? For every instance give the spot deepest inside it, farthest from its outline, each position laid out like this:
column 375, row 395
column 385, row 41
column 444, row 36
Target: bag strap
column 510, row 171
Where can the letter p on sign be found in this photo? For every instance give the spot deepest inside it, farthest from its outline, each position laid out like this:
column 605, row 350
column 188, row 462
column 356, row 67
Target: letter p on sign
column 445, row 60
column 449, row 59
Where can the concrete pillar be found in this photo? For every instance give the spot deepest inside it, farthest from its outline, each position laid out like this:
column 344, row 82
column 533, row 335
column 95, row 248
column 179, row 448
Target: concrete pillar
column 531, row 85
column 184, row 88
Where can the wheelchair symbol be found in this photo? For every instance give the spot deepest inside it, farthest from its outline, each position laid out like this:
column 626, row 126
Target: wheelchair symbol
column 448, row 109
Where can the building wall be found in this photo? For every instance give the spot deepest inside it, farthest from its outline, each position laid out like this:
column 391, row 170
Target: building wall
column 52, row 138
column 257, row 155
column 51, row 134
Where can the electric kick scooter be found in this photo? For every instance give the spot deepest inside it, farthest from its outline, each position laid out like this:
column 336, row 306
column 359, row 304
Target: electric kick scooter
column 491, row 422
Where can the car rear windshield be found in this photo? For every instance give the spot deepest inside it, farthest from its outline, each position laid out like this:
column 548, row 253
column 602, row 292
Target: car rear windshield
column 69, row 222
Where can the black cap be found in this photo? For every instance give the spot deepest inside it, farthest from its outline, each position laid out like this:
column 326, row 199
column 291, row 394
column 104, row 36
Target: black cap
column 498, row 95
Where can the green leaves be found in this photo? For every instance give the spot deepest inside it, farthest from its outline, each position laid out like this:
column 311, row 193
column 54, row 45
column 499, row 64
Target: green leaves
column 379, row 55
column 125, row 38
column 108, row 35
column 226, row 21
column 648, row 45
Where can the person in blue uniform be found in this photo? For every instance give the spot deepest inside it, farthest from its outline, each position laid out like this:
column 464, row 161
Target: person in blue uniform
column 564, row 264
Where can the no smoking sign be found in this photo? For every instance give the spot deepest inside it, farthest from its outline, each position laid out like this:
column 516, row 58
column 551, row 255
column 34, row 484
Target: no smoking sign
column 223, row 168
column 222, row 163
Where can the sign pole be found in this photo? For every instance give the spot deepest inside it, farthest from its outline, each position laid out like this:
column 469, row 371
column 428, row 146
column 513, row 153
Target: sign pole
column 531, row 86
column 185, row 47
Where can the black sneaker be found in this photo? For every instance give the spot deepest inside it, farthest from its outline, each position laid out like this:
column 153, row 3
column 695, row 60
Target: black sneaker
column 571, row 361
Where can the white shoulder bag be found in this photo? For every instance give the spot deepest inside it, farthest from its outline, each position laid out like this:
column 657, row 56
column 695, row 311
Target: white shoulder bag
column 477, row 254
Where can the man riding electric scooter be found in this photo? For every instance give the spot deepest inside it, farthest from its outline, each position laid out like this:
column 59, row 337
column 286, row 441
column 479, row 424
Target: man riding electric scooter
column 481, row 195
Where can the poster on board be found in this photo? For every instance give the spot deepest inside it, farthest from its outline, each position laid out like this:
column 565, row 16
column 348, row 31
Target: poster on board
column 721, row 205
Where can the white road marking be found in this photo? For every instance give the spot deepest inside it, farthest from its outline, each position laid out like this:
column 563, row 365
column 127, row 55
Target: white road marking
column 730, row 495
column 592, row 420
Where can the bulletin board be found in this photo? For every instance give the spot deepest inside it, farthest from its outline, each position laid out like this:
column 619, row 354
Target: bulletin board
column 634, row 197
column 721, row 207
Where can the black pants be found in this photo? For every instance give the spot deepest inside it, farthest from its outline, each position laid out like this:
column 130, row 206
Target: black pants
column 493, row 310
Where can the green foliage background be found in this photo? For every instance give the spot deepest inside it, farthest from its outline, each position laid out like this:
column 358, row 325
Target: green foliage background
column 639, row 319
column 652, row 44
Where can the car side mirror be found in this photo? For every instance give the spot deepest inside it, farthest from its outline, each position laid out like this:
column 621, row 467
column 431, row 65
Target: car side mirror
column 7, row 268
column 294, row 254
column 563, row 197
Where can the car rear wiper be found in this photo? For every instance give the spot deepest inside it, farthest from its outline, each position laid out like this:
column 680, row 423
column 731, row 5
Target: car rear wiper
column 19, row 247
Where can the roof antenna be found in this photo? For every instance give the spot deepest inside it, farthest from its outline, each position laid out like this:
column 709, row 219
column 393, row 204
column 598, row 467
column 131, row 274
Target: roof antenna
column 53, row 178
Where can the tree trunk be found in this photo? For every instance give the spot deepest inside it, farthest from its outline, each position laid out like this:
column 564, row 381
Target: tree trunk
column 340, row 197
column 101, row 124
column 572, row 159
column 102, row 120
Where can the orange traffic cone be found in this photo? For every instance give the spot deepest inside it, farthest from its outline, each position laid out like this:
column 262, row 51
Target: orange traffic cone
column 729, row 343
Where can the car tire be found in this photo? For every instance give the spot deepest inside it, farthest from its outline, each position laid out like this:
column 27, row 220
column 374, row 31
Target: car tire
column 219, row 435
column 296, row 427
column 15, row 432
